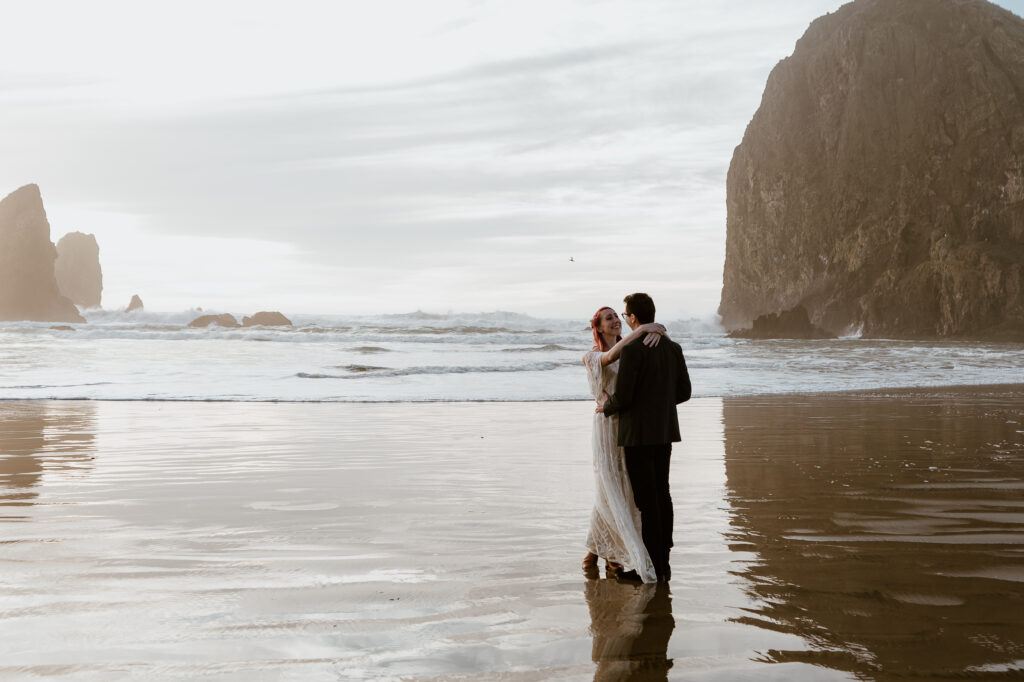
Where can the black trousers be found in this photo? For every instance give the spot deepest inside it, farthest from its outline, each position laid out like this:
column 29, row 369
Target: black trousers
column 647, row 466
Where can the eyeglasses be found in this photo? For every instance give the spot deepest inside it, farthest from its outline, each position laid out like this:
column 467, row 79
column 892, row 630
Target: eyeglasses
column 625, row 314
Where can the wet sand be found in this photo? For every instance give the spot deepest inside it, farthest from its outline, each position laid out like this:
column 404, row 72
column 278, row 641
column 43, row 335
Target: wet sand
column 818, row 537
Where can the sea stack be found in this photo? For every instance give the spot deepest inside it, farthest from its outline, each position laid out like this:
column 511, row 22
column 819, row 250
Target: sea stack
column 78, row 272
column 134, row 304
column 880, row 184
column 28, row 287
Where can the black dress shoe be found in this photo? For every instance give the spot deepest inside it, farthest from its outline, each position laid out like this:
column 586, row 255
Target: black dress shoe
column 628, row 576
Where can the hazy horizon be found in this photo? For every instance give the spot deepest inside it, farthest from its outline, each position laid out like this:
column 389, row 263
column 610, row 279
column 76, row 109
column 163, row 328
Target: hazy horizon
column 397, row 157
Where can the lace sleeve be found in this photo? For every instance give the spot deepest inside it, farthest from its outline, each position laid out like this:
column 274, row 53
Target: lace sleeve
column 592, row 360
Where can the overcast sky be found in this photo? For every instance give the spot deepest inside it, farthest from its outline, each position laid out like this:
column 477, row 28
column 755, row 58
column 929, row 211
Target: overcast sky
column 354, row 157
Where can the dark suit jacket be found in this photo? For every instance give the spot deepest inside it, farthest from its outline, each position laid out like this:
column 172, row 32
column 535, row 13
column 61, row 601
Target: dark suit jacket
column 652, row 381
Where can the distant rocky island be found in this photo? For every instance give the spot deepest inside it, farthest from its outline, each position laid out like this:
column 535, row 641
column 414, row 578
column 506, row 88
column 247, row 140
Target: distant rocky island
column 42, row 282
column 221, row 320
column 880, row 184
column 264, row 318
column 28, row 286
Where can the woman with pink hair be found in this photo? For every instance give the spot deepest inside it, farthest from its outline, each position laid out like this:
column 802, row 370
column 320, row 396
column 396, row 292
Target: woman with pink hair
column 615, row 521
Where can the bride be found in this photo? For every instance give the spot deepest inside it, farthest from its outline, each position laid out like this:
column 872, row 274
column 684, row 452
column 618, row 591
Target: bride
column 615, row 522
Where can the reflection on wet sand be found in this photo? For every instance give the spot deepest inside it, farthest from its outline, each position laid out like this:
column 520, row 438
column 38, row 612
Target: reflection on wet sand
column 888, row 533
column 631, row 625
column 37, row 437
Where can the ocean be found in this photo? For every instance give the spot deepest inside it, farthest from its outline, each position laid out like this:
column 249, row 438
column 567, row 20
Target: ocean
column 423, row 357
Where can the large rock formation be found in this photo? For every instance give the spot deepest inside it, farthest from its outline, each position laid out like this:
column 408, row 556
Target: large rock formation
column 28, row 288
column 78, row 272
column 134, row 304
column 881, row 182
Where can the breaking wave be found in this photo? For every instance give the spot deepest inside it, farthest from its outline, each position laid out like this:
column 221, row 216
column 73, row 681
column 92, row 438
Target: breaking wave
column 546, row 348
column 358, row 371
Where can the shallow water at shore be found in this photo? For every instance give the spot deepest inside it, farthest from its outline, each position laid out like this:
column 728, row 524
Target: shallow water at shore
column 817, row 537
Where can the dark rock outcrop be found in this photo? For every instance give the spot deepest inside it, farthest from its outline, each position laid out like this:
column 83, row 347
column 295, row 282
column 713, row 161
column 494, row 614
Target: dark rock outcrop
column 28, row 288
column 266, row 319
column 789, row 324
column 78, row 272
column 881, row 182
column 134, row 304
column 224, row 320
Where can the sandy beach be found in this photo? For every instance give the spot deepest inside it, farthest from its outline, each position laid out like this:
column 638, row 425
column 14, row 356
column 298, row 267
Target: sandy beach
column 818, row 537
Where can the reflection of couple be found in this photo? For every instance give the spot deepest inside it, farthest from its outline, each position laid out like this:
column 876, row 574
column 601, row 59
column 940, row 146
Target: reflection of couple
column 637, row 387
column 631, row 625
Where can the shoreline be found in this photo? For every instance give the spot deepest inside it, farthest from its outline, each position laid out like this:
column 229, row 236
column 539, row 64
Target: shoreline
column 881, row 392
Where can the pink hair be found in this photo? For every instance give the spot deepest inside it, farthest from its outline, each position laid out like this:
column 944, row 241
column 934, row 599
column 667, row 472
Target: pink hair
column 595, row 322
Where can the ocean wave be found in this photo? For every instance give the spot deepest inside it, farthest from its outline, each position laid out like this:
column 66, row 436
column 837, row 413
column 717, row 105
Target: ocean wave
column 546, row 348
column 369, row 333
column 418, row 321
column 285, row 335
column 370, row 350
column 361, row 368
column 417, row 315
column 439, row 369
column 314, row 329
column 141, row 318
column 458, row 329
column 503, row 317
column 432, row 321
column 696, row 325
column 302, row 401
column 497, row 328
column 39, row 386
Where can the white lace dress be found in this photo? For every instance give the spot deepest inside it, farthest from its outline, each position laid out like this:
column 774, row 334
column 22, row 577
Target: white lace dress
column 615, row 522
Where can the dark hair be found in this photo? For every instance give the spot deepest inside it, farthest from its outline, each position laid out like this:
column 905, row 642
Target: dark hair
column 641, row 306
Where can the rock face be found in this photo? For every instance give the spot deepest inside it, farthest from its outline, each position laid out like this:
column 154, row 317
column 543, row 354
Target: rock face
column 28, row 288
column 790, row 324
column 224, row 320
column 78, row 272
column 267, row 319
column 134, row 304
column 881, row 182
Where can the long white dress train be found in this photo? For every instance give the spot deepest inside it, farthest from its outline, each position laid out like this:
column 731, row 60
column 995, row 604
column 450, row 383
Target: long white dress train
column 615, row 522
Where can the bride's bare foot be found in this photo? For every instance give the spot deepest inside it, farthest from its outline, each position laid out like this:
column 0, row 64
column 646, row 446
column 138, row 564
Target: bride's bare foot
column 590, row 561
column 612, row 566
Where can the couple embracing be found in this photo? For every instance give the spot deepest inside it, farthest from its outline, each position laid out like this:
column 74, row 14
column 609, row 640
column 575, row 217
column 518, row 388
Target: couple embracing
column 637, row 382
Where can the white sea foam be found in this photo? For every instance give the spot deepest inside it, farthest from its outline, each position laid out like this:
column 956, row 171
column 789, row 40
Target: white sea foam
column 499, row 356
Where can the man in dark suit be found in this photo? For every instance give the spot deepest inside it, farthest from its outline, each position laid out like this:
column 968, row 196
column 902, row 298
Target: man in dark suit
column 652, row 381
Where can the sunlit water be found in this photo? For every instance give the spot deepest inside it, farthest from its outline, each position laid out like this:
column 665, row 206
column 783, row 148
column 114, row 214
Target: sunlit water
column 855, row 537
column 421, row 357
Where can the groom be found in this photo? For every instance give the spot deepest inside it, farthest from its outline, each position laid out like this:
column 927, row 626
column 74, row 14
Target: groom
column 652, row 381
